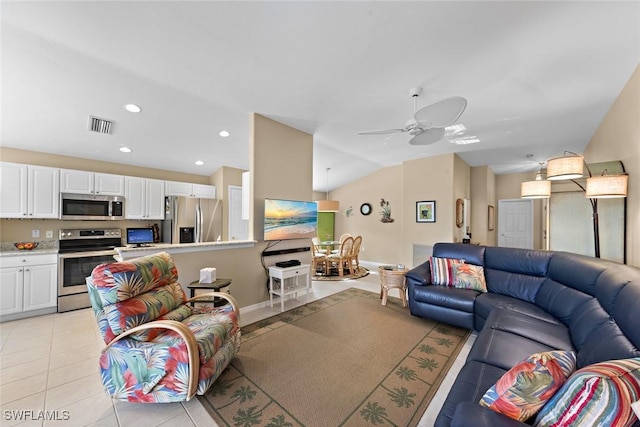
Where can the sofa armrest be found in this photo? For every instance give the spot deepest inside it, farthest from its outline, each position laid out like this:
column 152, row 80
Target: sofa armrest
column 420, row 275
column 470, row 414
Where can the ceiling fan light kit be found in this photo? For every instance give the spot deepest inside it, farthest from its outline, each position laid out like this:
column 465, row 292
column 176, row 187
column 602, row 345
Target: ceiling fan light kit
column 428, row 123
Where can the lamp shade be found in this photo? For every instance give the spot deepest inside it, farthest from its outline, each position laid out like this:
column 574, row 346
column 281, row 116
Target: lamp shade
column 607, row 186
column 328, row 206
column 567, row 167
column 539, row 189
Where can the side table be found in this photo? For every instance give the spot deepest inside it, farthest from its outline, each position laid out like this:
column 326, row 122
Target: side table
column 293, row 288
column 392, row 277
column 216, row 286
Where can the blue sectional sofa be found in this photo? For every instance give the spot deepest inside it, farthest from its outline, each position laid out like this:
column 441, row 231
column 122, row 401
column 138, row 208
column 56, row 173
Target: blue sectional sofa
column 536, row 301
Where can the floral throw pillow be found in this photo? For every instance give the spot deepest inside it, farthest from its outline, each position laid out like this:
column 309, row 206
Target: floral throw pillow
column 596, row 395
column 442, row 270
column 525, row 388
column 469, row 276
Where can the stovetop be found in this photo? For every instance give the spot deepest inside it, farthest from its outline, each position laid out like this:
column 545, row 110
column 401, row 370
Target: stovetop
column 86, row 240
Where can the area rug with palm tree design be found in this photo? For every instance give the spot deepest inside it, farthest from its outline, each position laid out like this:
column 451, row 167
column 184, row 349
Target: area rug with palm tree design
column 344, row 360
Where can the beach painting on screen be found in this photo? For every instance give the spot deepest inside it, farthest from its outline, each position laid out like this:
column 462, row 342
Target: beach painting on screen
column 289, row 219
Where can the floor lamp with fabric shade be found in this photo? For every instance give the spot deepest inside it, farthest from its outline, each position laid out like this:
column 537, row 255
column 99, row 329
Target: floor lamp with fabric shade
column 571, row 166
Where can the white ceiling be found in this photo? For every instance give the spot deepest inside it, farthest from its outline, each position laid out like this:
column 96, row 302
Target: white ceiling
column 539, row 78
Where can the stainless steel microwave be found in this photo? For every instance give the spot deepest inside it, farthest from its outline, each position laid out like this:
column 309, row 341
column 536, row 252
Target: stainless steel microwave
column 91, row 207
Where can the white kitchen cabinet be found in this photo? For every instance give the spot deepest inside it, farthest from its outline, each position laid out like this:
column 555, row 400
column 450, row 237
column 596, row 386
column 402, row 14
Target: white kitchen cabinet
column 28, row 285
column 85, row 182
column 144, row 198
column 186, row 189
column 29, row 191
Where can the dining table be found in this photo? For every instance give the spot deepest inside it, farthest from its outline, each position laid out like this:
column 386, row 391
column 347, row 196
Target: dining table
column 330, row 245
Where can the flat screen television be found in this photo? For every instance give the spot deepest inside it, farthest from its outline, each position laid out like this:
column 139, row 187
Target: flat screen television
column 139, row 236
column 290, row 219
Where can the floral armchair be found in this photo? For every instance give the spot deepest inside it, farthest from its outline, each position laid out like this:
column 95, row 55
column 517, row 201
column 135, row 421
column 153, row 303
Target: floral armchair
column 159, row 348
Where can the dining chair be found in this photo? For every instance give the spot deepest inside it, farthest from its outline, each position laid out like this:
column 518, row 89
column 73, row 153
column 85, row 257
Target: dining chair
column 342, row 259
column 318, row 260
column 318, row 246
column 341, row 239
column 355, row 251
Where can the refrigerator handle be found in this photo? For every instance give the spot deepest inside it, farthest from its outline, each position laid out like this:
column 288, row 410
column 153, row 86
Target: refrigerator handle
column 198, row 231
column 175, row 210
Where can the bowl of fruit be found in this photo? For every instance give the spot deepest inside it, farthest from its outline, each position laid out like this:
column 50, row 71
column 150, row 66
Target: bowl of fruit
column 26, row 246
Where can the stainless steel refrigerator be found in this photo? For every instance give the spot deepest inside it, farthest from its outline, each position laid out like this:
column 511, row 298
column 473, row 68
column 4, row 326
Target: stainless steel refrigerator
column 192, row 220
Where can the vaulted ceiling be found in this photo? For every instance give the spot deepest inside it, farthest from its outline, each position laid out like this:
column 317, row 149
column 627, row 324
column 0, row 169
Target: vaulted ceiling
column 539, row 78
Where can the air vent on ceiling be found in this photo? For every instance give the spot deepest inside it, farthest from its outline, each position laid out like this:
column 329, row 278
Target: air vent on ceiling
column 96, row 124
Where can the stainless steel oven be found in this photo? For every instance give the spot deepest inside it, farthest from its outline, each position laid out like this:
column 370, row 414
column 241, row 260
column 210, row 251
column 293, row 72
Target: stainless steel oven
column 80, row 251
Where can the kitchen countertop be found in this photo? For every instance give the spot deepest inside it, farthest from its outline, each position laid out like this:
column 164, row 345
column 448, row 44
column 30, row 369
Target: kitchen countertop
column 128, row 252
column 45, row 247
column 16, row 252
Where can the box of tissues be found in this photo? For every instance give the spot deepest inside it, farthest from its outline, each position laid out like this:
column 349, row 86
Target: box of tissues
column 207, row 275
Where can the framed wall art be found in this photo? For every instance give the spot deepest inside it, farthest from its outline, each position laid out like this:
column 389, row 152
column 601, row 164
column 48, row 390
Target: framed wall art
column 426, row 211
column 492, row 218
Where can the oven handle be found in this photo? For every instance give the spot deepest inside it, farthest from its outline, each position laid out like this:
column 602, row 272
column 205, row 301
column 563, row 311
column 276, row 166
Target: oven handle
column 87, row 254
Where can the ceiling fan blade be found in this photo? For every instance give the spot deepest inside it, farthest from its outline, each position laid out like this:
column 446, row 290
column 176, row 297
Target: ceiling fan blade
column 427, row 137
column 442, row 113
column 380, row 132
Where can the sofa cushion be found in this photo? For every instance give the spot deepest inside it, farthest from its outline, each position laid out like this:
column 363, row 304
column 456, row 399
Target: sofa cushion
column 472, row 381
column 599, row 394
column 467, row 412
column 508, row 337
column 442, row 270
column 554, row 335
column 515, row 272
column 472, row 254
column 458, row 299
column 469, row 276
column 616, row 345
column 486, row 302
column 525, row 388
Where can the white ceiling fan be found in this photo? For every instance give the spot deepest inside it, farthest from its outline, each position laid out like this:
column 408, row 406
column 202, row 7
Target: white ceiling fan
column 428, row 123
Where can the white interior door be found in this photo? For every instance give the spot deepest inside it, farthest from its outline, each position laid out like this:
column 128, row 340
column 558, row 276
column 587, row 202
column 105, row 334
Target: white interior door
column 238, row 227
column 515, row 223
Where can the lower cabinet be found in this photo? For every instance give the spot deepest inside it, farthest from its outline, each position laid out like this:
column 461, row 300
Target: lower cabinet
column 28, row 285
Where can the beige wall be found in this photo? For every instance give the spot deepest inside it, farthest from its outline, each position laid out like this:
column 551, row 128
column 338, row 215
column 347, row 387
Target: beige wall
column 377, row 237
column 618, row 138
column 508, row 187
column 224, row 177
column 483, row 195
column 442, row 179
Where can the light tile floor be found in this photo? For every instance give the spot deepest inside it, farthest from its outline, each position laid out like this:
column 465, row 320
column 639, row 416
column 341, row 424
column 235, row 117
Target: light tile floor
column 49, row 372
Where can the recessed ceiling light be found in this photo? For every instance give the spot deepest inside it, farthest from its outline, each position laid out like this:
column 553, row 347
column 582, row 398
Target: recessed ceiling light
column 132, row 108
column 125, row 149
column 224, row 133
column 199, row 162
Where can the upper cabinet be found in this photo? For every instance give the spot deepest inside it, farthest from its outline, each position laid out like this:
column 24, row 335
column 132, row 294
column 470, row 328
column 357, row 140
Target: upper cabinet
column 28, row 191
column 185, row 189
column 84, row 182
column 144, row 198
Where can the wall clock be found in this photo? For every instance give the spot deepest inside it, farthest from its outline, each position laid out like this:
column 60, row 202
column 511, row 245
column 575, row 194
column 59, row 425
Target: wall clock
column 365, row 209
